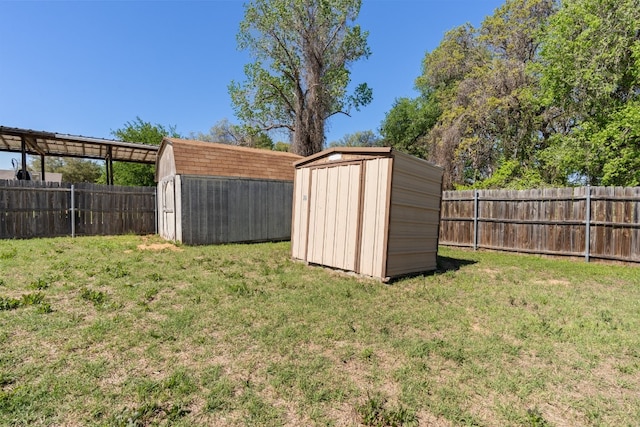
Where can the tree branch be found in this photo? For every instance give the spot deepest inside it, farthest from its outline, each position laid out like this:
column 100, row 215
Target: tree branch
column 338, row 112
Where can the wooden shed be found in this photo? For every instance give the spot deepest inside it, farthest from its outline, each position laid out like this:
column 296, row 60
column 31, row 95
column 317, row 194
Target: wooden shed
column 373, row 211
column 211, row 193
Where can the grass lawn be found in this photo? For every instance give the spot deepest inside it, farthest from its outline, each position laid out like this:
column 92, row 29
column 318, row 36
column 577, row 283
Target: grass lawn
column 118, row 331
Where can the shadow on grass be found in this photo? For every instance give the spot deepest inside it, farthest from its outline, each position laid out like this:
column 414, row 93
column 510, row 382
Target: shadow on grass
column 446, row 264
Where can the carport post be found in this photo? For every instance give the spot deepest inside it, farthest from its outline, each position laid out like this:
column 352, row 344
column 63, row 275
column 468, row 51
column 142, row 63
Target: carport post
column 24, row 158
column 109, row 166
column 42, row 168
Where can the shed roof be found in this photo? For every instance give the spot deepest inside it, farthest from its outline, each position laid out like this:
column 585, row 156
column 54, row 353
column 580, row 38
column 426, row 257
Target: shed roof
column 56, row 144
column 345, row 150
column 336, row 154
column 215, row 159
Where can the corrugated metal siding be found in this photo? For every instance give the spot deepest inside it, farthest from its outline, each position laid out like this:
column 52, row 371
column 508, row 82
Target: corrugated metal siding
column 333, row 216
column 224, row 210
column 376, row 214
column 414, row 216
column 374, row 217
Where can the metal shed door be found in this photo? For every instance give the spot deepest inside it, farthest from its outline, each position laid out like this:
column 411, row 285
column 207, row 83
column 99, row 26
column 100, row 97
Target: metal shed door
column 334, row 216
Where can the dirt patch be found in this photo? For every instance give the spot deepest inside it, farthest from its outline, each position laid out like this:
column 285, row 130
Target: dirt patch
column 553, row 282
column 159, row 247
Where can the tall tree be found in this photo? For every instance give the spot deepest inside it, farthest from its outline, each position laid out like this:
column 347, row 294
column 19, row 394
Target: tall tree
column 226, row 132
column 479, row 79
column 591, row 75
column 300, row 77
column 139, row 131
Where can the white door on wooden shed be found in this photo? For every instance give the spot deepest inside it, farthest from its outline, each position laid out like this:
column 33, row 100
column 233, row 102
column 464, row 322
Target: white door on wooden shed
column 168, row 209
column 333, row 216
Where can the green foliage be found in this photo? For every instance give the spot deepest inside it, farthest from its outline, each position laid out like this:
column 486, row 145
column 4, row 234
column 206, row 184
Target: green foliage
column 37, row 299
column 72, row 169
column 40, row 284
column 297, row 82
column 281, row 146
column 591, row 75
column 536, row 419
column 358, row 139
column 620, row 142
column 543, row 93
column 510, row 175
column 138, row 131
column 408, row 121
column 477, row 107
column 375, row 413
column 590, row 56
column 98, row 298
column 8, row 253
column 7, row 303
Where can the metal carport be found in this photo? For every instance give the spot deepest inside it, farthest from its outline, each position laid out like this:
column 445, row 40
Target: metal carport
column 32, row 142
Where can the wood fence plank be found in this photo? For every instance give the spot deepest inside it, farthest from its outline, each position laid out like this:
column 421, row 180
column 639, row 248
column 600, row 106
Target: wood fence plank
column 547, row 221
column 36, row 209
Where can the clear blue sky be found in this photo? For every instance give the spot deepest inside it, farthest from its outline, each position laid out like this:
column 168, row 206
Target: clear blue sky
column 88, row 67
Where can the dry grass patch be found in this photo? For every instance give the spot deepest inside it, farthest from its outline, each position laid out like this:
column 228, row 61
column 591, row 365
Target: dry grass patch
column 158, row 247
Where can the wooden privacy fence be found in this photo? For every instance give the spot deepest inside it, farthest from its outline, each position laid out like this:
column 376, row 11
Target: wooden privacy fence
column 590, row 222
column 43, row 209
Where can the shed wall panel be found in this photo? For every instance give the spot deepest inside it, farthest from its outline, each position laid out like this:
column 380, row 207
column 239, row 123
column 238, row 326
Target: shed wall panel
column 316, row 215
column 373, row 241
column 166, row 166
column 225, row 210
column 300, row 214
column 415, row 204
column 407, row 263
column 332, row 227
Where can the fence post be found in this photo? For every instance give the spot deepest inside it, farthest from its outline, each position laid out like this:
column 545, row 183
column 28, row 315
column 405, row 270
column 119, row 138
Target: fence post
column 73, row 212
column 475, row 220
column 587, row 234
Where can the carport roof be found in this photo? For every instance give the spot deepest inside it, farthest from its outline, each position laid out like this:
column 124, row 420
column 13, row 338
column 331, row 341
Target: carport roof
column 55, row 144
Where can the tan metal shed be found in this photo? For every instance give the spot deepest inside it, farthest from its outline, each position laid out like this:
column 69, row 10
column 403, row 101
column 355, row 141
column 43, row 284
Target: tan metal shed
column 212, row 193
column 373, row 211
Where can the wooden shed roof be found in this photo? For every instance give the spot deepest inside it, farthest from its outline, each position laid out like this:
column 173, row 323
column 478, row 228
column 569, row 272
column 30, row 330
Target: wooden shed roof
column 214, row 159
